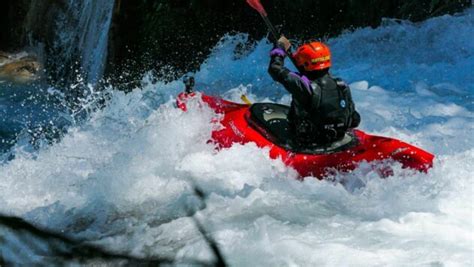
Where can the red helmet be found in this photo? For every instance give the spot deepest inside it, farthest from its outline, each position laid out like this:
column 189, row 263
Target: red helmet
column 313, row 56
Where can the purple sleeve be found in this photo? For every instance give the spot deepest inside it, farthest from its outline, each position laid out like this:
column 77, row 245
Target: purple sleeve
column 306, row 82
column 278, row 52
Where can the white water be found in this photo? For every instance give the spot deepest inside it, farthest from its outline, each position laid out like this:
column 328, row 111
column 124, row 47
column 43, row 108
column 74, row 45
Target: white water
column 124, row 178
column 82, row 36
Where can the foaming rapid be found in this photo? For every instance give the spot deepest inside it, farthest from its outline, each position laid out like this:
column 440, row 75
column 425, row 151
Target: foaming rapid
column 125, row 178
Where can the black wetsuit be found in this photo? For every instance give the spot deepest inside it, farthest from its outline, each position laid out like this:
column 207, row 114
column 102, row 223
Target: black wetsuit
column 321, row 109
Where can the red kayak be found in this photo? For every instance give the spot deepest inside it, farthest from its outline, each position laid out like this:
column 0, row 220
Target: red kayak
column 266, row 125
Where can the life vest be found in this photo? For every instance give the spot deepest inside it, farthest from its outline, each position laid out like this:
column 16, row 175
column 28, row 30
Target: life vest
column 330, row 113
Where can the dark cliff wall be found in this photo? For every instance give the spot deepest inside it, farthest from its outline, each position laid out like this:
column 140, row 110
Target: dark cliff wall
column 24, row 22
column 12, row 15
column 149, row 34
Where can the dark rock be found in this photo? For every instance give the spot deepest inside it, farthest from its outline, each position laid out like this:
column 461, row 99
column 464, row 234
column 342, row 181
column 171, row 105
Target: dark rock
column 19, row 68
column 152, row 34
column 174, row 37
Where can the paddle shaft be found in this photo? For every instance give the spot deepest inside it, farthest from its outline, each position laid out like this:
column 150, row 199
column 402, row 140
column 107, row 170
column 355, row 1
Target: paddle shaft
column 271, row 28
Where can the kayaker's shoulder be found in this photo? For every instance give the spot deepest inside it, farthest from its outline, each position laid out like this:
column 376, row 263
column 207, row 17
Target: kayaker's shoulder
column 340, row 82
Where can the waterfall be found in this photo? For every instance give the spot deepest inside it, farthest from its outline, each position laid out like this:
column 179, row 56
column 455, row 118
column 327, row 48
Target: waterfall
column 81, row 39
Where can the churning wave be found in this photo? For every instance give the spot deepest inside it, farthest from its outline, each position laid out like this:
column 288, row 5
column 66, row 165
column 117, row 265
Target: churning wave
column 124, row 178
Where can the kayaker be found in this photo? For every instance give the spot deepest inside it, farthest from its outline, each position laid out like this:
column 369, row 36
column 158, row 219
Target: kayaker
column 322, row 109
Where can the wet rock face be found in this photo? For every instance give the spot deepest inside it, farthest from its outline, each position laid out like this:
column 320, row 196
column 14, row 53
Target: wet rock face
column 19, row 68
column 181, row 32
column 12, row 16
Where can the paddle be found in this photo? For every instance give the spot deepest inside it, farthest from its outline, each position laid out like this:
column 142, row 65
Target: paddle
column 246, row 100
column 257, row 5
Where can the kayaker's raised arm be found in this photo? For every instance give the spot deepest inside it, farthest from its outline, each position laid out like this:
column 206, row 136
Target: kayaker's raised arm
column 297, row 85
column 277, row 69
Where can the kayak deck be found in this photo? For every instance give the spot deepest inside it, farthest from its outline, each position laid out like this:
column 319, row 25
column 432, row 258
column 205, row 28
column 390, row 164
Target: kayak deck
column 266, row 125
column 271, row 121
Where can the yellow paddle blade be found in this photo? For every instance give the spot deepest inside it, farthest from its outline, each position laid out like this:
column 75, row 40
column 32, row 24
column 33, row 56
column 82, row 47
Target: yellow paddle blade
column 245, row 99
